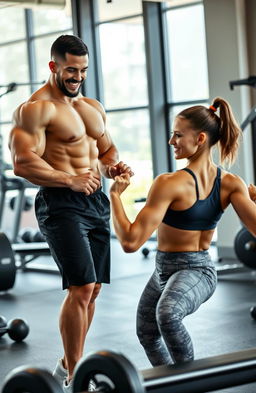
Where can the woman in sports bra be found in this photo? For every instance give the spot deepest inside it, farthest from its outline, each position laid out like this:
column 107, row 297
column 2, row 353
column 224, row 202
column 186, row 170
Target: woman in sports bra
column 184, row 207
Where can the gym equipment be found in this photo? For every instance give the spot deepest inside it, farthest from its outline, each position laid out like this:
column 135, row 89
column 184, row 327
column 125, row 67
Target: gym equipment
column 38, row 237
column 253, row 312
column 112, row 372
column 251, row 118
column 145, row 251
column 113, row 369
column 27, row 235
column 26, row 253
column 17, row 328
column 27, row 205
column 7, row 264
column 30, row 380
column 245, row 248
column 3, row 323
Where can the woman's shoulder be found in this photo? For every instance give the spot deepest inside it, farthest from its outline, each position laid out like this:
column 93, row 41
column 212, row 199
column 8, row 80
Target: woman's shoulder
column 170, row 176
column 171, row 180
column 231, row 180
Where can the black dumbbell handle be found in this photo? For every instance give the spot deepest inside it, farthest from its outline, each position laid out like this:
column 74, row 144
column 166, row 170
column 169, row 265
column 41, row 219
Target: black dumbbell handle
column 3, row 329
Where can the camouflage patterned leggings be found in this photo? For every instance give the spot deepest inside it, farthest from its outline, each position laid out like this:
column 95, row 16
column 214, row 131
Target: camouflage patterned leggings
column 181, row 282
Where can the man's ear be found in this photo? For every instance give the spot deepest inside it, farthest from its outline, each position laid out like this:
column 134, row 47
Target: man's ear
column 202, row 137
column 52, row 66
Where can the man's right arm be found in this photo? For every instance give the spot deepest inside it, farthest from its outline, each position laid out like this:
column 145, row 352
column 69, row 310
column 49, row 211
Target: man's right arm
column 27, row 144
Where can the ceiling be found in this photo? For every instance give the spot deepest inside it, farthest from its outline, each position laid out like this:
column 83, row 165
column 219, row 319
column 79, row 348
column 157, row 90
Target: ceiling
column 61, row 3
column 33, row 3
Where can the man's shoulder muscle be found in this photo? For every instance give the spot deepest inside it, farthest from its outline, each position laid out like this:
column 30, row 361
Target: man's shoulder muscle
column 95, row 104
column 34, row 112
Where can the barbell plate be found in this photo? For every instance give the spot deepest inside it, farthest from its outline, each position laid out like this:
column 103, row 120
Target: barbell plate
column 112, row 368
column 246, row 255
column 30, row 380
column 7, row 264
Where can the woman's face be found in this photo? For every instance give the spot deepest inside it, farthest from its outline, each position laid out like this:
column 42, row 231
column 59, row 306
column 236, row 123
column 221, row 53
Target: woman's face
column 183, row 139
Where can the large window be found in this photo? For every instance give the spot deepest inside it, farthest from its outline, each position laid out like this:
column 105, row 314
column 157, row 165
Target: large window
column 123, row 63
column 188, row 74
column 25, row 39
column 125, row 92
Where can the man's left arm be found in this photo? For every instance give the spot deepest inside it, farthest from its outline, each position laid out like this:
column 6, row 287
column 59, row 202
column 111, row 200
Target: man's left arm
column 109, row 165
column 108, row 155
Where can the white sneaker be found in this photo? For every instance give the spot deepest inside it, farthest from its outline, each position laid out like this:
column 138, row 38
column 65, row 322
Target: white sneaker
column 67, row 387
column 60, row 373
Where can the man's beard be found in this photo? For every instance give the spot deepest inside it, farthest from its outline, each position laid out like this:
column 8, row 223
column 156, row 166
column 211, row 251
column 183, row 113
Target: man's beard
column 62, row 87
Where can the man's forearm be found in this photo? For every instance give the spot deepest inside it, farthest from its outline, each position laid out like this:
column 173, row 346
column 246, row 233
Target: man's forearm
column 39, row 172
column 107, row 160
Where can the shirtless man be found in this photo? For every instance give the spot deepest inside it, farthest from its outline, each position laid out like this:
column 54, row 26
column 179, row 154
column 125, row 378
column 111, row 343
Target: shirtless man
column 59, row 142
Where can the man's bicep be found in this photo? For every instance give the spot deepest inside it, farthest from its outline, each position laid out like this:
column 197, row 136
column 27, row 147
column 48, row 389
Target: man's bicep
column 22, row 142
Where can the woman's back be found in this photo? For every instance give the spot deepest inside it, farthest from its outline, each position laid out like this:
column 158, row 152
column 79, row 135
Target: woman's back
column 191, row 218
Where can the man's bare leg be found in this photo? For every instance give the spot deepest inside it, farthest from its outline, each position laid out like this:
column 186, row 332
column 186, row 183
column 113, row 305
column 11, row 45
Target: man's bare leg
column 75, row 318
column 91, row 307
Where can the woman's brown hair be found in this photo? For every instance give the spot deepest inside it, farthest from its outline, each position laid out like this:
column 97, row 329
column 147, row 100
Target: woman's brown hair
column 222, row 129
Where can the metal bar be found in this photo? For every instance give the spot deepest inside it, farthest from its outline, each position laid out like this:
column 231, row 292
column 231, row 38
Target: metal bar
column 118, row 19
column 204, row 375
column 171, row 8
column 190, row 102
column 130, row 108
column 156, row 73
column 254, row 146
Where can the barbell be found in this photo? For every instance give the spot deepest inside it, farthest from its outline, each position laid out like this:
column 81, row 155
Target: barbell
column 113, row 372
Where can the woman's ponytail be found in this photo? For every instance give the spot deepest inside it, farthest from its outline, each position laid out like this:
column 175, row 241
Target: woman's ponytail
column 229, row 131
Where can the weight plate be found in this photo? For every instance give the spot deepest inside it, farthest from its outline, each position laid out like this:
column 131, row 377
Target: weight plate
column 245, row 245
column 30, row 380
column 7, row 264
column 113, row 370
column 253, row 312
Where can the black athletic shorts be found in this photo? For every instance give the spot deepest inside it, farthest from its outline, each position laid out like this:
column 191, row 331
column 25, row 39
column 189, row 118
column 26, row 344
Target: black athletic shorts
column 77, row 229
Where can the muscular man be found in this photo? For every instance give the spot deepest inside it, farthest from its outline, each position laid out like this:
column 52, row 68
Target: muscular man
column 59, row 142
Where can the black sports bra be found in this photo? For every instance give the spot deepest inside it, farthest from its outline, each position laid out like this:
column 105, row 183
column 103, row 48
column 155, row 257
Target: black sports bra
column 203, row 215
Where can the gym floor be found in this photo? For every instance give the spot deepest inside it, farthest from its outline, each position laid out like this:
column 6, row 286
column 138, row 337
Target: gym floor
column 221, row 325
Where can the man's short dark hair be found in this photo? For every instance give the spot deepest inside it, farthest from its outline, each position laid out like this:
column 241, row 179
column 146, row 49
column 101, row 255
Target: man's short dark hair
column 68, row 44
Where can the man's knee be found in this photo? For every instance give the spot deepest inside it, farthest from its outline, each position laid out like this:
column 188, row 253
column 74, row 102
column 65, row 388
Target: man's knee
column 82, row 293
column 95, row 292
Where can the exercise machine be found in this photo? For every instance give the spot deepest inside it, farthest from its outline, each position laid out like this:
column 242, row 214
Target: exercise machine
column 113, row 372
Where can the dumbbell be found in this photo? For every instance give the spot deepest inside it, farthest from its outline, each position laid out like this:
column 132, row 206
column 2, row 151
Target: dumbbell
column 28, row 203
column 17, row 328
column 27, row 235
column 38, row 237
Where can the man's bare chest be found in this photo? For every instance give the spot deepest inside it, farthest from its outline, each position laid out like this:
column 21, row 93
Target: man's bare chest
column 72, row 124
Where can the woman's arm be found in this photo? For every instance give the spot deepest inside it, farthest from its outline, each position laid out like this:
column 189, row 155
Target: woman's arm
column 133, row 235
